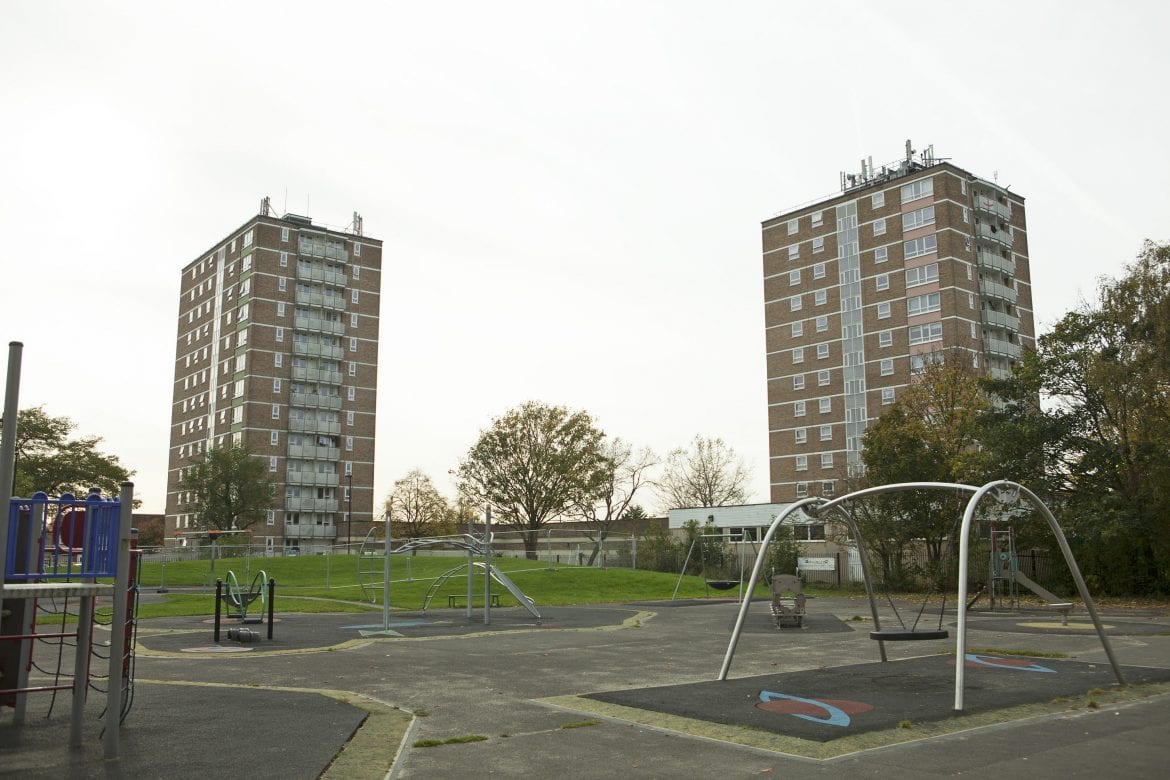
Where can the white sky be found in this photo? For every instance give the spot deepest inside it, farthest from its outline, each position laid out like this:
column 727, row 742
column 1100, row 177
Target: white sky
column 569, row 193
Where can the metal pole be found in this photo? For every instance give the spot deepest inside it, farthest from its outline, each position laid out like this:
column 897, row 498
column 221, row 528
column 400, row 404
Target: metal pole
column 487, row 567
column 162, row 584
column 386, row 576
column 8, row 450
column 218, row 597
column 118, row 638
column 271, row 605
column 349, row 514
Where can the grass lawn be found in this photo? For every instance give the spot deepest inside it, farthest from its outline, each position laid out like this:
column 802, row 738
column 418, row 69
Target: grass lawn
column 317, row 583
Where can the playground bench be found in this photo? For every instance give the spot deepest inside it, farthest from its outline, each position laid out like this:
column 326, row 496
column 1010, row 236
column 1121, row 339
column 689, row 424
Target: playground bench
column 455, row 599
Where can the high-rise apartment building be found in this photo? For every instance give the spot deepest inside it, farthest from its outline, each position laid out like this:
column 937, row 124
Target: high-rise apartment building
column 862, row 289
column 277, row 350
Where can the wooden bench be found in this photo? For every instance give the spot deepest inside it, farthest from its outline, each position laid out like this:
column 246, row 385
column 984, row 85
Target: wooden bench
column 454, row 599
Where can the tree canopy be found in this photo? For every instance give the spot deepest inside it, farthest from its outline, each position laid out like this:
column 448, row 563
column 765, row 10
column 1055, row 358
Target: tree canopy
column 48, row 460
column 417, row 508
column 710, row 473
column 625, row 474
column 533, row 464
column 229, row 488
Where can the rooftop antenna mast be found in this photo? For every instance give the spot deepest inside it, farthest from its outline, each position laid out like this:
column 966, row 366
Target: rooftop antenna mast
column 265, row 206
column 357, row 224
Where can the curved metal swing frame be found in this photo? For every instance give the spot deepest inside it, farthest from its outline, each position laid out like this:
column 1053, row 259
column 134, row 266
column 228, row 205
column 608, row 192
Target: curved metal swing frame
column 819, row 507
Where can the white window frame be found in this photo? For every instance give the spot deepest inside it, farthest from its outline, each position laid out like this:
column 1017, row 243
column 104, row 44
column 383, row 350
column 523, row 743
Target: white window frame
column 879, row 227
column 826, row 433
column 800, row 435
column 794, row 278
column 800, row 463
column 793, row 226
column 877, row 200
column 825, row 405
column 881, row 254
column 798, row 328
column 826, row 460
column 887, row 367
column 818, row 244
column 820, row 297
column 823, row 378
column 822, row 351
column 822, row 323
column 887, row 396
column 818, row 218
column 799, row 409
column 883, row 310
column 798, row 355
column 882, row 282
column 794, row 303
column 794, row 252
column 819, row 271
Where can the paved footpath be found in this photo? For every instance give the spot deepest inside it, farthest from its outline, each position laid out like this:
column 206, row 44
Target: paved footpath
column 622, row 690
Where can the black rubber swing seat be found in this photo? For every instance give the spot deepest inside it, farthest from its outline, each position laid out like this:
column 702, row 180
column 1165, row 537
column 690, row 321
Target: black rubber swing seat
column 899, row 635
column 722, row 584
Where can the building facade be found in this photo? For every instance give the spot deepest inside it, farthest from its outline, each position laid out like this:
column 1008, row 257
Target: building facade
column 277, row 350
column 908, row 263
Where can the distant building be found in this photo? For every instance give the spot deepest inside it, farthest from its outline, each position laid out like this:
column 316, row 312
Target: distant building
column 862, row 289
column 277, row 349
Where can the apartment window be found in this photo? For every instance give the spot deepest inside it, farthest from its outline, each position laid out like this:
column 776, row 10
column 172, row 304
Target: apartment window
column 352, row 344
column 822, row 324
column 822, row 351
column 917, row 189
column 794, row 303
column 963, row 186
column 912, row 220
column 877, row 200
column 968, row 271
column 826, row 433
column 822, row 378
column 826, row 460
column 280, row 334
column 798, row 409
column 357, row 271
column 243, row 315
column 801, row 435
column 274, row 438
column 276, row 411
column 246, row 263
column 801, row 489
column 793, row 226
column 887, row 367
column 920, row 246
column 923, row 334
column 883, row 311
column 284, row 234
column 881, row 254
column 825, row 405
column 821, row 297
column 241, row 363
column 280, row 309
column 922, row 304
column 818, row 218
column 276, row 384
column 798, row 355
column 802, row 462
column 818, row 245
column 278, row 360
column 966, row 216
column 248, row 239
column 819, row 271
column 970, row 300
column 350, row 392
column 887, row 396
column 271, row 517
column 282, row 284
column 793, row 278
column 237, row 414
column 923, row 274
column 352, row 368
column 798, row 328
column 353, row 296
column 882, row 282
column 794, row 252
column 357, row 251
column 284, row 259
column 353, row 320
column 272, row 462
column 879, row 227
column 349, row 444
column 972, row 329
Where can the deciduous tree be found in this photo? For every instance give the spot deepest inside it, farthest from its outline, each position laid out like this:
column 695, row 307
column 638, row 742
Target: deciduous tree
column 48, row 460
column 625, row 474
column 533, row 464
column 230, row 488
column 710, row 473
column 417, row 507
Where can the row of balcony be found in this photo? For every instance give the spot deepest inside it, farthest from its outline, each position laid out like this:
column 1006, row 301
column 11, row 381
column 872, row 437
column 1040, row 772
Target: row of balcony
column 316, row 375
column 313, row 273
column 989, row 205
column 334, row 302
column 310, row 505
column 314, row 426
column 994, row 233
column 996, row 262
column 319, row 325
column 315, row 248
column 997, row 290
column 312, row 478
column 311, row 349
column 315, row 401
column 1001, row 347
column 314, row 452
column 310, row 531
column 1000, row 319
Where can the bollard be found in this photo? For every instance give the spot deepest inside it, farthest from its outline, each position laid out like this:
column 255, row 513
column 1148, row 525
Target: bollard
column 271, row 605
column 218, row 593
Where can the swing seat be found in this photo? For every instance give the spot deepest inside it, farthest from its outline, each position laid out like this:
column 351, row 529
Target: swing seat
column 900, row 635
column 722, row 584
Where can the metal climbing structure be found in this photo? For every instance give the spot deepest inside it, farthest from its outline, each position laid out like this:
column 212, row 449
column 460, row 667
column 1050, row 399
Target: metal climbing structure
column 64, row 552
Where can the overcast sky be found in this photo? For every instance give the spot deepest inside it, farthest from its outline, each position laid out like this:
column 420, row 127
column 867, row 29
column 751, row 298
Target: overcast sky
column 570, row 194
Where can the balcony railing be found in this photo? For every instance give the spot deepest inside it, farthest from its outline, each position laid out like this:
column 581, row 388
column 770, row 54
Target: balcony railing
column 999, row 319
column 310, row 531
column 993, row 233
column 989, row 205
column 311, row 349
column 997, row 262
column 310, row 505
column 314, row 426
column 311, row 248
column 316, row 375
column 997, row 290
column 314, row 452
column 315, row 401
column 1002, row 348
column 312, row 478
column 316, row 324
column 313, row 273
column 335, row 302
